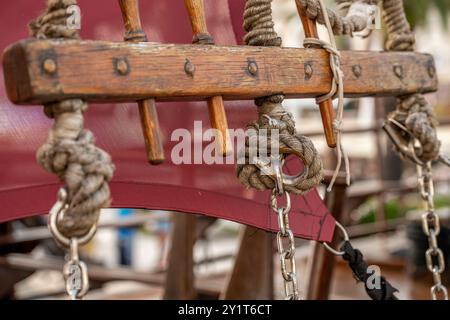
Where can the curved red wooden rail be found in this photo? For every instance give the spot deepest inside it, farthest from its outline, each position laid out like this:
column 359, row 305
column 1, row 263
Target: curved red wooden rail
column 26, row 189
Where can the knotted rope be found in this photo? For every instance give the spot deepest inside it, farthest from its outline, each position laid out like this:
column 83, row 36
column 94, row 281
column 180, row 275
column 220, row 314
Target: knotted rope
column 69, row 151
column 259, row 25
column 412, row 111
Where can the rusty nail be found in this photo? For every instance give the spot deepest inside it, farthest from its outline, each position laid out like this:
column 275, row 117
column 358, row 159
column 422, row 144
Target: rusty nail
column 252, row 68
column 122, row 66
column 357, row 70
column 49, row 66
column 189, row 68
column 431, row 70
column 398, row 70
column 308, row 71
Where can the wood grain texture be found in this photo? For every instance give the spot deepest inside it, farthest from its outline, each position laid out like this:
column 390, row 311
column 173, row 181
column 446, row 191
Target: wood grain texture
column 147, row 108
column 326, row 107
column 85, row 69
column 151, row 131
column 217, row 115
column 196, row 11
column 132, row 20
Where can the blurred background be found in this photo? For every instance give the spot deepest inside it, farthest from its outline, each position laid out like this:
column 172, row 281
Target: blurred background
column 130, row 255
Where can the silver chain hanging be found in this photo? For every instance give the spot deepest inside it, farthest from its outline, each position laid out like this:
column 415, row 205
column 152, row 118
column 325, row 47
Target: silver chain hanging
column 286, row 247
column 75, row 271
column 431, row 227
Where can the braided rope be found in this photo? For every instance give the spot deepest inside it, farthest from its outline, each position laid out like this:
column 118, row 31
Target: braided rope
column 69, row 151
column 259, row 25
column 412, row 111
column 400, row 35
column 272, row 116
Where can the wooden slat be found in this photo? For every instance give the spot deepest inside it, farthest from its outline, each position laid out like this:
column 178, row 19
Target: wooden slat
column 326, row 107
column 86, row 69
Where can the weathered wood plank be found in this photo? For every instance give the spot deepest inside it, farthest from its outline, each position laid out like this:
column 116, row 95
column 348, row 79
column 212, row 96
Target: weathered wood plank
column 89, row 69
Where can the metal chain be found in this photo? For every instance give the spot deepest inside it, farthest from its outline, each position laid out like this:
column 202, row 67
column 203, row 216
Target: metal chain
column 286, row 246
column 431, row 227
column 75, row 271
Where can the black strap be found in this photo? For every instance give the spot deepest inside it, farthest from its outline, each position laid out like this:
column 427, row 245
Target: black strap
column 355, row 259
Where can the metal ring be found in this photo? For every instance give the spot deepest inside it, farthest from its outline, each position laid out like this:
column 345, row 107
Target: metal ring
column 439, row 288
column 404, row 146
column 289, row 180
column 59, row 207
column 346, row 238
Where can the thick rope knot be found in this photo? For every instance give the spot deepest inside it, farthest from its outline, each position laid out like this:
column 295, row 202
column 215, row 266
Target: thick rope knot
column 415, row 113
column 70, row 153
column 53, row 23
column 275, row 129
column 377, row 287
column 259, row 24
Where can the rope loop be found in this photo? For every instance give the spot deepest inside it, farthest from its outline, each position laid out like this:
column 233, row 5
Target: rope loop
column 275, row 129
column 69, row 151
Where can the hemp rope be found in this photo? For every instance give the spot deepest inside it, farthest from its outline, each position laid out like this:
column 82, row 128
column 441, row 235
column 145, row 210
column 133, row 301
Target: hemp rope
column 412, row 111
column 259, row 25
column 69, row 151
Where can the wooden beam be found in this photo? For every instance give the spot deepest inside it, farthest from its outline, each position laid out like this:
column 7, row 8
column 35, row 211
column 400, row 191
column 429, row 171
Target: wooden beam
column 40, row 71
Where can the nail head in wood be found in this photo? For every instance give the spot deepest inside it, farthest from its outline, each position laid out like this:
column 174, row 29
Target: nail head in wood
column 49, row 66
column 308, row 71
column 189, row 68
column 357, row 70
column 431, row 70
column 253, row 68
column 398, row 71
column 122, row 66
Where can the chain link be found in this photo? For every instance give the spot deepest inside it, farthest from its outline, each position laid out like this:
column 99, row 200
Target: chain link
column 74, row 271
column 286, row 247
column 431, row 228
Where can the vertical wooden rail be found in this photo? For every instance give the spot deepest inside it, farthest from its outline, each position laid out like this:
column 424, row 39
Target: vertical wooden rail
column 147, row 108
column 217, row 115
column 326, row 107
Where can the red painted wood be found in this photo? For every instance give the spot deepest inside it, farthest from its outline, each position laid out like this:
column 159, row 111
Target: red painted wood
column 26, row 189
